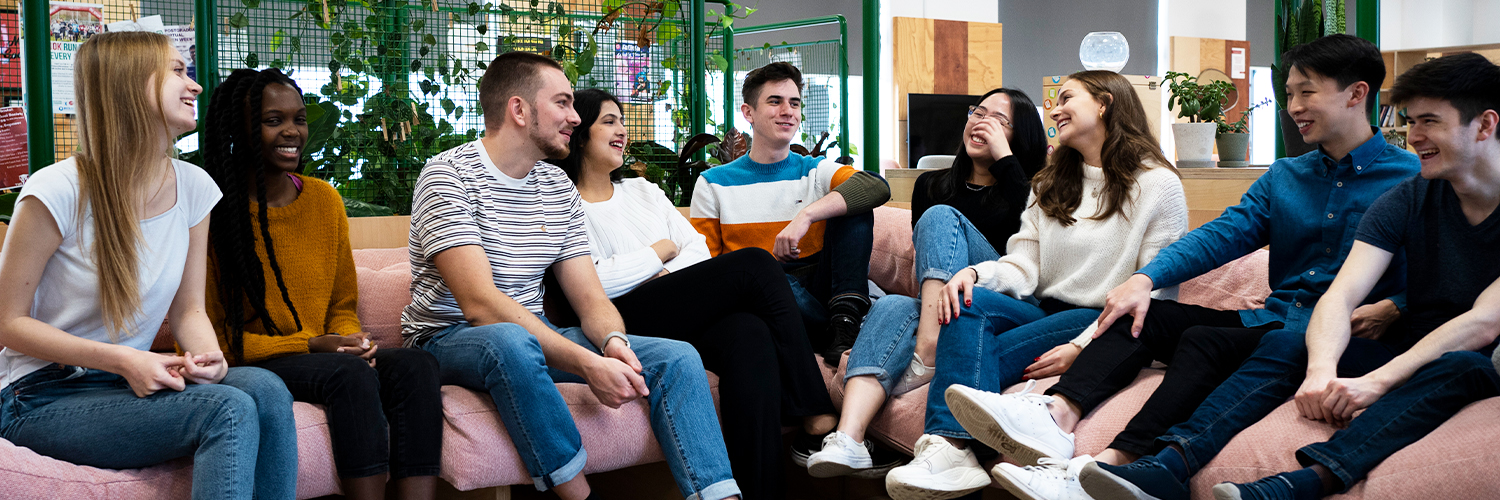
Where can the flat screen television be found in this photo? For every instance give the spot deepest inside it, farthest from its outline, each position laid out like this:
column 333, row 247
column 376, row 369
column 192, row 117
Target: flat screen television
column 935, row 124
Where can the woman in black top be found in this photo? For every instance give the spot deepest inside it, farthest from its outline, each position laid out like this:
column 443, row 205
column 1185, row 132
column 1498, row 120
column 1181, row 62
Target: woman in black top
column 961, row 216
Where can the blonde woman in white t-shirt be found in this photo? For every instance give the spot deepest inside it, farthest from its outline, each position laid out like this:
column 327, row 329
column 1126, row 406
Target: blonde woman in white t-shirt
column 736, row 309
column 105, row 245
column 1106, row 203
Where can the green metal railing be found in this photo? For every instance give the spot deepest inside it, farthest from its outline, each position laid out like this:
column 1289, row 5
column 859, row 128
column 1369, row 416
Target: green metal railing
column 841, row 63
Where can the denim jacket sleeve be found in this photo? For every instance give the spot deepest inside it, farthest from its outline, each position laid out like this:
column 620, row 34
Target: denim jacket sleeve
column 1238, row 231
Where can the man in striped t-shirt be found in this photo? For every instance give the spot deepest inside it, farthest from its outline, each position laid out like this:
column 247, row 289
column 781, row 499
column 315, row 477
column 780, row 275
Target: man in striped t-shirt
column 488, row 219
column 813, row 214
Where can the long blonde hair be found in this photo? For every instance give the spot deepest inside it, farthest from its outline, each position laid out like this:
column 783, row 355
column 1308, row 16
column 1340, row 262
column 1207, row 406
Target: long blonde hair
column 118, row 137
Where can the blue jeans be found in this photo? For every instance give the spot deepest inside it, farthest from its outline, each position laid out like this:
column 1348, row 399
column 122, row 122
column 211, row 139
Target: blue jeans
column 1432, row 395
column 240, row 431
column 1262, row 383
column 945, row 242
column 506, row 361
column 989, row 347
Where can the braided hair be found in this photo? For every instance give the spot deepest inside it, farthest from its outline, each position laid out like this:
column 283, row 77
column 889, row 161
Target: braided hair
column 233, row 157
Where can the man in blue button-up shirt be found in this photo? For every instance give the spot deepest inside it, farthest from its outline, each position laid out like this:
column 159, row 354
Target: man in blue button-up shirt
column 1305, row 208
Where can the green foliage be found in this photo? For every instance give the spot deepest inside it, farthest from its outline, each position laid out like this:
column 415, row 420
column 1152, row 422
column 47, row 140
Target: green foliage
column 1194, row 101
column 1240, row 126
column 1299, row 22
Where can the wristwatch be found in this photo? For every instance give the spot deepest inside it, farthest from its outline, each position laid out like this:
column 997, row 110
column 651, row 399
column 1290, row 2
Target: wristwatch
column 612, row 335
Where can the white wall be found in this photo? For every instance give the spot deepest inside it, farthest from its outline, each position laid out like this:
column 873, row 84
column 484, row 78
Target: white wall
column 987, row 11
column 1223, row 19
column 1420, row 24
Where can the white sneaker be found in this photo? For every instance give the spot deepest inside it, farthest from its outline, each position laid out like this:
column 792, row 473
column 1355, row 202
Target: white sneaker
column 841, row 456
column 1017, row 425
column 1052, row 480
column 916, row 375
column 940, row 471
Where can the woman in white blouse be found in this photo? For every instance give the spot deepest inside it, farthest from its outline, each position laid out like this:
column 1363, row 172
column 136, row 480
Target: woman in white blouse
column 736, row 309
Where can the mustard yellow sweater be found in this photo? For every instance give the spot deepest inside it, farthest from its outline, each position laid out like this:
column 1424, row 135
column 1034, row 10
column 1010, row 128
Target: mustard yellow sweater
column 312, row 248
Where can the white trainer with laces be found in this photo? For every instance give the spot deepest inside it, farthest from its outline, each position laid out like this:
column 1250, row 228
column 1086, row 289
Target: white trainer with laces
column 1052, row 480
column 1017, row 425
column 841, row 456
column 939, row 471
column 916, row 375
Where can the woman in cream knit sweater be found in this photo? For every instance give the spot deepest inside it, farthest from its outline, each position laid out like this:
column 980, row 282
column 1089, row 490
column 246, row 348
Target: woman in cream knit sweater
column 1106, row 203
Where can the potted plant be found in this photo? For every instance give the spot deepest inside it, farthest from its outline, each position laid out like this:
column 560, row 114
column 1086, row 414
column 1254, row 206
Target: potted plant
column 1202, row 105
column 1234, row 138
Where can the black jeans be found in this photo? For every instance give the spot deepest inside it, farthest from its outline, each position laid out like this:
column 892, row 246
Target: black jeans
column 1201, row 347
column 738, row 311
column 402, row 390
column 841, row 270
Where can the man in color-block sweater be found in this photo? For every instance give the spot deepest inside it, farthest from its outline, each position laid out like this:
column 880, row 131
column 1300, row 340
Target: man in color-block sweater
column 813, row 214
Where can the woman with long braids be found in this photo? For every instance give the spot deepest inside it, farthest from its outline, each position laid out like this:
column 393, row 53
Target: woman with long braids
column 736, row 309
column 960, row 216
column 1104, row 205
column 105, row 245
column 282, row 293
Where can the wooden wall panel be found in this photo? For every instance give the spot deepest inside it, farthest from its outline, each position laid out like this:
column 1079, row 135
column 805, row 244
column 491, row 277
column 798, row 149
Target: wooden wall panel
column 942, row 57
column 985, row 44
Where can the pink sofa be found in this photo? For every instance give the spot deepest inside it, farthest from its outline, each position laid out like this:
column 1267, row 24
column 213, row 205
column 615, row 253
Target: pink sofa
column 1456, row 461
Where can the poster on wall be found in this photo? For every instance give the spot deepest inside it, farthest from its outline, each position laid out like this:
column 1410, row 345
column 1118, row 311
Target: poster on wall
column 182, row 39
column 13, row 159
column 633, row 79
column 71, row 24
column 10, row 56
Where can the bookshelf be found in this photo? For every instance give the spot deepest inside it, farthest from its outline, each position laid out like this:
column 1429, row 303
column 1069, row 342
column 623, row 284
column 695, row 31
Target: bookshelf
column 1397, row 62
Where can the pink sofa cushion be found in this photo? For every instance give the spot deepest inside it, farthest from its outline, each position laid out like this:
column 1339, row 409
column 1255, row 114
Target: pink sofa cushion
column 1457, row 460
column 892, row 257
column 384, row 276
column 24, row 474
column 1240, row 284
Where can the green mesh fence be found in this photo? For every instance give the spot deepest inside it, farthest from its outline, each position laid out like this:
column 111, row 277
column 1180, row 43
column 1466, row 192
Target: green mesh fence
column 69, row 25
column 402, row 75
column 819, row 62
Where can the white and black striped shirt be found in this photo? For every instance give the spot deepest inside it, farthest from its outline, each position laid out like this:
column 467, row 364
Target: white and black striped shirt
column 524, row 225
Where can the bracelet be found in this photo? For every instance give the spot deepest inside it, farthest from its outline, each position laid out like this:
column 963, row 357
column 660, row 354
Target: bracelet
column 976, row 273
column 613, row 335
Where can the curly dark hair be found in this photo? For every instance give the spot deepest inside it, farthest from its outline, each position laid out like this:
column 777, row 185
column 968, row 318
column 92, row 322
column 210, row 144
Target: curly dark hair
column 588, row 103
column 233, row 157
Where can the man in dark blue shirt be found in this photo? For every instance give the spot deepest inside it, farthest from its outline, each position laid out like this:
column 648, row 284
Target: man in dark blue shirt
column 1305, row 208
column 1446, row 223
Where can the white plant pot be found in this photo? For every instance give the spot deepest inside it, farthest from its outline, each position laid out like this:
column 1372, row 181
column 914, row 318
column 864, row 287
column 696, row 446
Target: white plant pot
column 1195, row 143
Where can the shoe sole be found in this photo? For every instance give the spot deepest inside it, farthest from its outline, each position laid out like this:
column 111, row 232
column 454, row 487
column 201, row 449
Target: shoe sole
column 830, row 468
column 1226, row 491
column 899, row 491
column 800, row 459
column 993, row 431
column 876, row 472
column 1013, row 486
column 1101, row 485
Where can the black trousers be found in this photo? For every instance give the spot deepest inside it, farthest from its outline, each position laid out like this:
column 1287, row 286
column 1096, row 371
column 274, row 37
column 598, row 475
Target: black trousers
column 841, row 271
column 1201, row 347
column 401, row 391
column 738, row 311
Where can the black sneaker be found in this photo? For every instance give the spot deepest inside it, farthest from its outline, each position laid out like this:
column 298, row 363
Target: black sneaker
column 803, row 446
column 885, row 459
column 842, row 329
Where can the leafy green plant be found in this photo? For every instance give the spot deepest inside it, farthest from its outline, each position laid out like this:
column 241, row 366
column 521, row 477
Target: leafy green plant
column 1197, row 102
column 1242, row 125
column 1299, row 22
